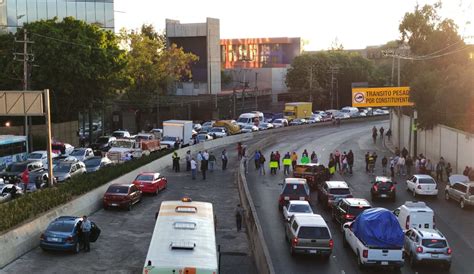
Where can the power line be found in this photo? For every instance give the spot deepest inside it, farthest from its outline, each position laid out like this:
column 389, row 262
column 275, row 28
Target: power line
column 68, row 42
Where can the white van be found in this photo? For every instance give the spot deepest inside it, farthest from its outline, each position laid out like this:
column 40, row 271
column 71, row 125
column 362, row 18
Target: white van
column 260, row 115
column 415, row 215
column 248, row 119
column 350, row 110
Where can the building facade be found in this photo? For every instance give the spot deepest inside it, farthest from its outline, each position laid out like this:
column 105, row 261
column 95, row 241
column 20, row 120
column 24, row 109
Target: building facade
column 15, row 13
column 201, row 39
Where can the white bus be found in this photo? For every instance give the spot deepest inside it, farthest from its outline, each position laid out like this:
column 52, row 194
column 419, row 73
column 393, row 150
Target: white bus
column 12, row 149
column 184, row 239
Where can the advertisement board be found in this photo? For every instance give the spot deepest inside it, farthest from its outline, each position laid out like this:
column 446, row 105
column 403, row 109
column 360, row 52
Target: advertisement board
column 381, row 97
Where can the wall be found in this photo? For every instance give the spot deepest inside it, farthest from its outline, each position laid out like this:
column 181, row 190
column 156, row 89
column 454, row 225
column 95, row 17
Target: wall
column 64, row 132
column 455, row 146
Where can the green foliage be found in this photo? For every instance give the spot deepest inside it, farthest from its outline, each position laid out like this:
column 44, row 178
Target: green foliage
column 34, row 204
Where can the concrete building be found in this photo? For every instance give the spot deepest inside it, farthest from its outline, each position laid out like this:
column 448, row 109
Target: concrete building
column 15, row 13
column 201, row 39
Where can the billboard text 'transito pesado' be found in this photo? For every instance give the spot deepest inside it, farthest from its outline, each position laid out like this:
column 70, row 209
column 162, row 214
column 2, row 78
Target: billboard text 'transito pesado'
column 381, row 97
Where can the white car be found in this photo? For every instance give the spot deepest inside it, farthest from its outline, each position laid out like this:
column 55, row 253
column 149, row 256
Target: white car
column 40, row 155
column 218, row 132
column 280, row 123
column 202, row 137
column 265, row 126
column 296, row 207
column 421, row 184
column 82, row 154
column 249, row 128
column 314, row 119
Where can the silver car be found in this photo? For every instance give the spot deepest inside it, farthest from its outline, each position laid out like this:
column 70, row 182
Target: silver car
column 427, row 245
column 64, row 171
column 461, row 192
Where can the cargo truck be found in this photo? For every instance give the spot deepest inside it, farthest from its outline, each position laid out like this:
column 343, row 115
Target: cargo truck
column 298, row 110
column 177, row 131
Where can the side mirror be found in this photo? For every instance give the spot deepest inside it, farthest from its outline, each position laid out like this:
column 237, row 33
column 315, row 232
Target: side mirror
column 288, row 220
column 346, row 225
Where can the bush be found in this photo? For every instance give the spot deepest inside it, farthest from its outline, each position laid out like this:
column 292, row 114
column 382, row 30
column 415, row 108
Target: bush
column 31, row 205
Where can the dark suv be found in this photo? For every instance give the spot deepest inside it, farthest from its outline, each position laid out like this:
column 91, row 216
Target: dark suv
column 383, row 187
column 348, row 209
column 293, row 189
column 332, row 191
column 315, row 174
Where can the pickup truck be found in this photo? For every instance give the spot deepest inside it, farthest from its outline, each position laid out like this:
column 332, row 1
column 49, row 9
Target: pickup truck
column 315, row 174
column 123, row 150
column 149, row 143
column 376, row 238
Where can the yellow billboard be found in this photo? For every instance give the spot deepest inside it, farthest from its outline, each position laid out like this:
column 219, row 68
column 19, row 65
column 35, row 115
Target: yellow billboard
column 381, row 97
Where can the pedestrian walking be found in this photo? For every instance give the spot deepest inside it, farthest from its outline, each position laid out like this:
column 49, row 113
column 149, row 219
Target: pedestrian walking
column 256, row 158
column 344, row 163
column 205, row 155
column 332, row 164
column 273, row 166
column 86, row 227
column 350, row 160
column 239, row 150
column 294, row 159
column 371, row 164
column 389, row 134
column 429, row 167
column 175, row 161
column 374, row 133
column 262, row 164
column 245, row 161
column 199, row 161
column 405, row 152
column 337, row 159
column 314, row 157
column 449, row 169
column 286, row 163
column 25, row 179
column 304, row 159
column 277, row 158
column 409, row 165
column 392, row 167
column 367, row 155
column 193, row 168
column 239, row 215
column 224, row 159
column 212, row 162
column 188, row 160
column 204, row 168
column 381, row 132
column 384, row 165
column 401, row 165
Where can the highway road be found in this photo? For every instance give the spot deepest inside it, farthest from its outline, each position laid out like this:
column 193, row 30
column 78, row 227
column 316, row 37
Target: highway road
column 456, row 224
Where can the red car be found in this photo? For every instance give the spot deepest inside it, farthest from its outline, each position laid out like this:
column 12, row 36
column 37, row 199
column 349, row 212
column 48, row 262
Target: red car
column 150, row 182
column 122, row 196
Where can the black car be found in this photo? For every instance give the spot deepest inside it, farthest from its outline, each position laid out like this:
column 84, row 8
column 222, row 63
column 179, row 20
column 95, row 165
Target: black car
column 383, row 187
column 347, row 209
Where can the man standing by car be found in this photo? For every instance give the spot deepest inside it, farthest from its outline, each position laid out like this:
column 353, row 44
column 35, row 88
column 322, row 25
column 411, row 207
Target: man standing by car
column 86, row 232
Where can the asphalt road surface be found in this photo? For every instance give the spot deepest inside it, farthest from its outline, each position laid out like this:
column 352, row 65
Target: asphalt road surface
column 456, row 224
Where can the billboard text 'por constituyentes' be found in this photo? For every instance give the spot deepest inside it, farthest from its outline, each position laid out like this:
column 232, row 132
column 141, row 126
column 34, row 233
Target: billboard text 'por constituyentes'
column 381, row 97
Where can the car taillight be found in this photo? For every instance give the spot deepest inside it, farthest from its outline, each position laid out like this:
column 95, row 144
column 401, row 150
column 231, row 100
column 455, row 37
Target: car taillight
column 294, row 241
column 419, row 249
column 349, row 216
column 42, row 237
column 407, row 222
column 69, row 239
column 331, row 243
column 365, row 253
column 392, row 188
column 449, row 251
column 419, row 187
column 376, row 188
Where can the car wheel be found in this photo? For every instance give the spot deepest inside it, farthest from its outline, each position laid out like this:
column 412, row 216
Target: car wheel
column 129, row 207
column 412, row 260
column 446, row 196
column 77, row 248
column 461, row 204
column 157, row 191
column 292, row 250
column 414, row 193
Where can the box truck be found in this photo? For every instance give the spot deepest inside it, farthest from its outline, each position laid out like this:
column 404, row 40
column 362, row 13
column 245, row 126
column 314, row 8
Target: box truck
column 298, row 110
column 177, row 130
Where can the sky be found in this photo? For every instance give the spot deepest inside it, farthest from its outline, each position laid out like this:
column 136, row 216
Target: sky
column 353, row 23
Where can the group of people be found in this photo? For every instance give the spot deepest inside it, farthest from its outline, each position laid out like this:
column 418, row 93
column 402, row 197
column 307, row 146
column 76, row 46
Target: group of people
column 342, row 162
column 202, row 162
column 375, row 133
column 276, row 161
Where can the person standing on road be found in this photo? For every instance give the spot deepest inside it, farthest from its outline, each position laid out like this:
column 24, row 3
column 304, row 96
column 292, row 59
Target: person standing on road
column 313, row 157
column 389, row 134
column 193, row 168
column 204, row 164
column 224, row 159
column 371, row 164
column 239, row 214
column 367, row 155
column 239, row 150
column 245, row 160
column 381, row 132
column 256, row 158
column 188, row 160
column 401, row 165
column 175, row 162
column 332, row 164
column 305, row 159
column 262, row 163
column 294, row 159
column 199, row 161
column 350, row 160
column 212, row 162
column 286, row 163
column 429, row 167
column 408, row 165
column 277, row 158
column 337, row 159
column 392, row 167
column 449, row 169
column 86, row 227
column 344, row 163
column 384, row 165
column 25, row 179
column 439, row 170
column 374, row 133
column 405, row 152
column 305, row 153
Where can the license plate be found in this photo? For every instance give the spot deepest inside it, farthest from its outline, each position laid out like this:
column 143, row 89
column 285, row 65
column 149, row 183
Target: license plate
column 383, row 195
column 287, row 198
column 434, row 255
column 313, row 252
column 302, row 199
column 52, row 239
column 384, row 263
column 114, row 204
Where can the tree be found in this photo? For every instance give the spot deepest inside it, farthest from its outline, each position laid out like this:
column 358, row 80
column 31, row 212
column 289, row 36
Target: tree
column 441, row 76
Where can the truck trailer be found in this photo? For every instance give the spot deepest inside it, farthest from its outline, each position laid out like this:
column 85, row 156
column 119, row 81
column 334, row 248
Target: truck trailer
column 298, row 110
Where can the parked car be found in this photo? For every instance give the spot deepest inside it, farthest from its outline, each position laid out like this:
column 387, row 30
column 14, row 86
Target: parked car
column 169, row 141
column 333, row 191
column 122, row 196
column 62, row 158
column 60, row 148
column 202, row 137
column 427, row 245
column 6, row 191
column 67, row 170
column 82, row 154
column 315, row 174
column 64, row 234
column 97, row 162
column 415, row 215
column 103, row 143
column 296, row 207
column 265, row 126
column 461, row 192
column 150, row 182
column 314, row 119
column 422, row 184
column 197, row 127
column 249, row 128
column 309, row 234
column 37, row 174
column 40, row 155
column 218, row 132
column 347, row 209
column 293, row 189
column 298, row 121
column 383, row 187
column 279, row 123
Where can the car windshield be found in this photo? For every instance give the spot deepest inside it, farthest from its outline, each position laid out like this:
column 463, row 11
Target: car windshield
column 77, row 152
column 16, row 168
column 118, row 134
column 426, row 181
column 35, row 156
column 169, row 138
column 217, row 130
column 102, row 140
column 143, row 177
column 202, row 136
column 308, row 232
column 248, row 127
column 61, row 226
column 57, row 147
column 92, row 162
column 117, row 189
column 277, row 121
column 243, row 120
column 295, row 189
column 122, row 144
column 339, row 191
column 62, row 168
column 434, row 243
column 356, row 210
column 384, row 184
column 300, row 209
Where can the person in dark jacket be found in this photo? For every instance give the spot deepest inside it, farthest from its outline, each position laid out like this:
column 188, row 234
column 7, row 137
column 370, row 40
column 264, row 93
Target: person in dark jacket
column 350, row 160
column 204, row 168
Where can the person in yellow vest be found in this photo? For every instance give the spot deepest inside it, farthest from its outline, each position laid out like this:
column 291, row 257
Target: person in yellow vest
column 294, row 159
column 273, row 166
column 286, row 163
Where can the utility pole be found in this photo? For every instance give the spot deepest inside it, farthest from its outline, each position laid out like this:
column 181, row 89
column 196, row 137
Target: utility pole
column 334, row 70
column 399, row 109
column 311, row 84
column 256, row 91
column 25, row 58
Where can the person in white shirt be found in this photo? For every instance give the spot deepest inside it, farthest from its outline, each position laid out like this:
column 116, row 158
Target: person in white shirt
column 199, row 159
column 205, row 155
column 193, row 168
